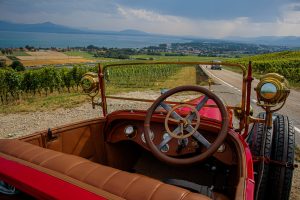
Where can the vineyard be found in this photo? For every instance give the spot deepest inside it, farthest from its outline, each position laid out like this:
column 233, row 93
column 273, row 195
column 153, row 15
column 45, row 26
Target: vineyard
column 142, row 76
column 286, row 63
column 16, row 85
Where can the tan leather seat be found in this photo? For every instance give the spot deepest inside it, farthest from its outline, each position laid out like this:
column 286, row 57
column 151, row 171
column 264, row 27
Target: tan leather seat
column 122, row 184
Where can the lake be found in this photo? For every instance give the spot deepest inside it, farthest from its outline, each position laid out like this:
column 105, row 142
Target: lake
column 10, row 39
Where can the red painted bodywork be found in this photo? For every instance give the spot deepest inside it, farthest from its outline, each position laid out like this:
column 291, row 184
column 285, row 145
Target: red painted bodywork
column 39, row 184
column 250, row 184
column 207, row 112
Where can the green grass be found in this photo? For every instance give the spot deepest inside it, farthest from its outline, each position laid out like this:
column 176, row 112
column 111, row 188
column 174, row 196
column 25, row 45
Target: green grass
column 20, row 53
column 88, row 55
column 153, row 79
column 83, row 54
column 16, row 53
column 45, row 103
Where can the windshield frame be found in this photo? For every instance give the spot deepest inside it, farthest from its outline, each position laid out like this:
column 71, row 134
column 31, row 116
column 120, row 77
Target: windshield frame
column 101, row 75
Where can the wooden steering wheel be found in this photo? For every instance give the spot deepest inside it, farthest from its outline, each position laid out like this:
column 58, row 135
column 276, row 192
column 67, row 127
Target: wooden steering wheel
column 187, row 125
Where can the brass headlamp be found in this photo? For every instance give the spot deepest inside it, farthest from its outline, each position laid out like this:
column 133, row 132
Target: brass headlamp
column 272, row 90
column 90, row 83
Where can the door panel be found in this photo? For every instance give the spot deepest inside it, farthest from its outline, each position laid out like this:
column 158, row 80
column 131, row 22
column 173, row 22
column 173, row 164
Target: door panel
column 84, row 139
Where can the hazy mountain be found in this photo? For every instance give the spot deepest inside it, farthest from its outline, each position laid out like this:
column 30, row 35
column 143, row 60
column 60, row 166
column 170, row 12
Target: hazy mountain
column 133, row 32
column 291, row 41
column 49, row 27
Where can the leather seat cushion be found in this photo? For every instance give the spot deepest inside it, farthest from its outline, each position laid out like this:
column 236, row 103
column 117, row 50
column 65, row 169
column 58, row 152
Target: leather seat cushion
column 120, row 183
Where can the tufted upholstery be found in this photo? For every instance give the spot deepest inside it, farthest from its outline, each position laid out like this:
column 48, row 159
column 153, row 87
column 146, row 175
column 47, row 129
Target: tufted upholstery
column 120, row 183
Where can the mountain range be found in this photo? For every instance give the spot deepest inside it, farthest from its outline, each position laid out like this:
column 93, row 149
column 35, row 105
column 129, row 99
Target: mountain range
column 49, row 27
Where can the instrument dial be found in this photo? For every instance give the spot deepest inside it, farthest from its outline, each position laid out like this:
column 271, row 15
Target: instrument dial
column 130, row 131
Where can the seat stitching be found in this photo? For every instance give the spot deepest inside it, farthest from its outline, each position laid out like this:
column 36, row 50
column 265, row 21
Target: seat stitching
column 155, row 189
column 126, row 190
column 184, row 195
column 92, row 170
column 50, row 158
column 16, row 149
column 108, row 178
column 38, row 154
column 75, row 165
column 26, row 151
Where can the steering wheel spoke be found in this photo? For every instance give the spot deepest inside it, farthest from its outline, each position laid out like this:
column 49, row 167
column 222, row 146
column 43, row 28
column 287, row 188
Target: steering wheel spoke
column 168, row 138
column 202, row 139
column 174, row 120
column 192, row 115
column 168, row 108
column 186, row 119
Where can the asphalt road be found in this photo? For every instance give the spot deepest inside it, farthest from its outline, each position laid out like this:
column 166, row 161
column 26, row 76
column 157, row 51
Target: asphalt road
column 231, row 83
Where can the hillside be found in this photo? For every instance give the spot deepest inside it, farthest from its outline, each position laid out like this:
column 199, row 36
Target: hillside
column 46, row 27
column 283, row 55
column 286, row 63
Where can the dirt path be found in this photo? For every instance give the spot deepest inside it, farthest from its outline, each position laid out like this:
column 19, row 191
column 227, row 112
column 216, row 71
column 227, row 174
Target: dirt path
column 15, row 125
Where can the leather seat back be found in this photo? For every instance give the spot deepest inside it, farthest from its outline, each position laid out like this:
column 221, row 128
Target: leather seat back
column 80, row 171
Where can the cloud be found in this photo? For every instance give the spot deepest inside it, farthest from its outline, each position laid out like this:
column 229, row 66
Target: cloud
column 143, row 14
column 290, row 14
column 108, row 15
column 288, row 23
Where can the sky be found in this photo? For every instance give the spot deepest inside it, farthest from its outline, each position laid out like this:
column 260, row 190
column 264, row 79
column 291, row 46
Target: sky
column 200, row 18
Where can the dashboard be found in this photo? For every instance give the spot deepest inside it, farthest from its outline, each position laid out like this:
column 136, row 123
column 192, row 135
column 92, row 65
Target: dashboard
column 133, row 130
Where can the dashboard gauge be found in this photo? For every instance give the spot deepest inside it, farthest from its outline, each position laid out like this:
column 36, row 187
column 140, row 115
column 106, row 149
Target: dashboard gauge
column 151, row 136
column 130, row 131
column 221, row 149
column 166, row 135
column 165, row 148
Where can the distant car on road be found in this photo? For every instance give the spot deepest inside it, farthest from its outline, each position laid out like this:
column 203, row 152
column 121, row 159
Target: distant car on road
column 216, row 65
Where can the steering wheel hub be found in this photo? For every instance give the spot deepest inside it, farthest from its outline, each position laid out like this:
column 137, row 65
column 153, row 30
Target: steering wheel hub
column 183, row 121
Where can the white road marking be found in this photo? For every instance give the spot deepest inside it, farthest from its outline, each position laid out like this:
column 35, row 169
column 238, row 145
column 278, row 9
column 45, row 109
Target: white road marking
column 219, row 79
column 297, row 129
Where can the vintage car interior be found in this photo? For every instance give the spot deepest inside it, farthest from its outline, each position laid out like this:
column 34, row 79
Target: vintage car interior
column 165, row 152
column 182, row 145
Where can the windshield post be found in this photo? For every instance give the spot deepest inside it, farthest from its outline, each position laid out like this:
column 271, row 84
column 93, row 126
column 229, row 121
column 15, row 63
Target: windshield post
column 102, row 89
column 249, row 80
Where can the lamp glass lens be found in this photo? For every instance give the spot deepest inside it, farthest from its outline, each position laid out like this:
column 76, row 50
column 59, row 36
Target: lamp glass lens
column 268, row 91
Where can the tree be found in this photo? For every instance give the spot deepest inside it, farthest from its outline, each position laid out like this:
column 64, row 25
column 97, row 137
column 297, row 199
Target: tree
column 17, row 66
column 2, row 63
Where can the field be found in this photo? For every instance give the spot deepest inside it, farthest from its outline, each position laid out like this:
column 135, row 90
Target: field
column 45, row 103
column 29, row 87
column 82, row 54
column 50, row 57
